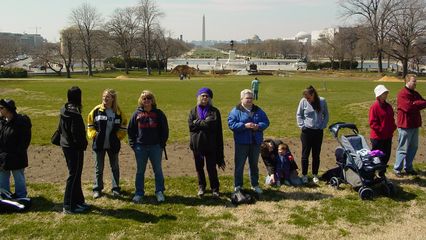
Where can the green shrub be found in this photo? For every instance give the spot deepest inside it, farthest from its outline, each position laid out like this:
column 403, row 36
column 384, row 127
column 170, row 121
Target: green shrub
column 13, row 73
column 321, row 65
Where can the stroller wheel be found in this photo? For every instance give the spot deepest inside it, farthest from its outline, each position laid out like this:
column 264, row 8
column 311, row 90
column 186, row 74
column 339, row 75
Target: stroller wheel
column 365, row 193
column 334, row 182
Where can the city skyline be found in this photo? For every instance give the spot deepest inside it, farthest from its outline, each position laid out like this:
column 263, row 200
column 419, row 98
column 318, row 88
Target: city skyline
column 224, row 19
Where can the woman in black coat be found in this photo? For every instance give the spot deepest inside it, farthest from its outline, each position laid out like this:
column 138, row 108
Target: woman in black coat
column 15, row 137
column 206, row 143
column 73, row 142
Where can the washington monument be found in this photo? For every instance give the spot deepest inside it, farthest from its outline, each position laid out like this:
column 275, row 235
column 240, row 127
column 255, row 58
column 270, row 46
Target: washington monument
column 204, row 29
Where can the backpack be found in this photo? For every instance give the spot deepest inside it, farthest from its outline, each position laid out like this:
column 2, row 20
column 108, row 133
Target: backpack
column 10, row 204
column 239, row 197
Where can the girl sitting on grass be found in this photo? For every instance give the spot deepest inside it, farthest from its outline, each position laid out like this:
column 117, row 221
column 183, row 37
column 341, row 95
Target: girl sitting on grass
column 279, row 163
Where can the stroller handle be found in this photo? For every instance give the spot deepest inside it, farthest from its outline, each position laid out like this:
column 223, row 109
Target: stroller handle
column 335, row 128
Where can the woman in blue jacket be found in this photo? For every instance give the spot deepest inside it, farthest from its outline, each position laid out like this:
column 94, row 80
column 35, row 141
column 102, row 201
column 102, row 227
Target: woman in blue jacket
column 247, row 121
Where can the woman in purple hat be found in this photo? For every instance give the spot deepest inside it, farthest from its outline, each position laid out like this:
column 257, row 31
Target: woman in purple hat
column 206, row 140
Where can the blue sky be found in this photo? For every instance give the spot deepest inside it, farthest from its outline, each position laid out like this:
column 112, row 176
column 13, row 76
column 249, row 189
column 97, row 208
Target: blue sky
column 225, row 19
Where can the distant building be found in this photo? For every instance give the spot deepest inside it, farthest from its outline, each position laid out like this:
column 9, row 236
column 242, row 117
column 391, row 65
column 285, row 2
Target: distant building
column 23, row 40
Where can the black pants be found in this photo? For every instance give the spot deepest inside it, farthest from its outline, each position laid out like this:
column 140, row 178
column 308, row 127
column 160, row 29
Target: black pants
column 311, row 140
column 384, row 145
column 73, row 192
column 210, row 161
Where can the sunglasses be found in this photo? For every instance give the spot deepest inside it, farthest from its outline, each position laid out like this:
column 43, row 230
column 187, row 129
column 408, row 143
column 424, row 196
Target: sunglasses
column 147, row 98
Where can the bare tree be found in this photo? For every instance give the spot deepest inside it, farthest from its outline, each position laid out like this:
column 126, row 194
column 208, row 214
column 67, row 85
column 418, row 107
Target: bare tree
column 377, row 14
column 408, row 25
column 124, row 27
column 87, row 19
column 69, row 46
column 149, row 14
column 48, row 57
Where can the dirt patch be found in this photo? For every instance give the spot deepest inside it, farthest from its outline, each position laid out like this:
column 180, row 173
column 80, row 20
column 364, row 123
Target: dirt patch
column 122, row 77
column 47, row 163
column 390, row 79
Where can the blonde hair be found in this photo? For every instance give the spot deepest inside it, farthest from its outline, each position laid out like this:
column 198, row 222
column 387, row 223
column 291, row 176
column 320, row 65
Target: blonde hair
column 115, row 108
column 246, row 92
column 147, row 93
column 409, row 76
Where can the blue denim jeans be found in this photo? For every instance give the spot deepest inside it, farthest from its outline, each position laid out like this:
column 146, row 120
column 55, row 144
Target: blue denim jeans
column 408, row 141
column 99, row 157
column 18, row 177
column 242, row 152
column 154, row 154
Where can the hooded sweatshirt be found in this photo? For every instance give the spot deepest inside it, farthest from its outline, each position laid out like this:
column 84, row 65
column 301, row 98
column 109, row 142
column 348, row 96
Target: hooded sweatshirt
column 72, row 128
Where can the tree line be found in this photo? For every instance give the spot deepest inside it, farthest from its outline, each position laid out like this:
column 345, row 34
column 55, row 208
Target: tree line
column 127, row 33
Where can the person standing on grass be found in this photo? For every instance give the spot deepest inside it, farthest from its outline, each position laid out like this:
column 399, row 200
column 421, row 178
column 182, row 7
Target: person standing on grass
column 148, row 132
column 106, row 126
column 247, row 121
column 312, row 118
column 74, row 143
column 409, row 105
column 15, row 137
column 255, row 88
column 382, row 124
column 206, row 140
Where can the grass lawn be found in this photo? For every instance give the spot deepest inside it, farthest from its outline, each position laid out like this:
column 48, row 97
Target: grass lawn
column 312, row 212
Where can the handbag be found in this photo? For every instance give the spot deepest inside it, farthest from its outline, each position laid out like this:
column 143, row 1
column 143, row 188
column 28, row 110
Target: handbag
column 56, row 137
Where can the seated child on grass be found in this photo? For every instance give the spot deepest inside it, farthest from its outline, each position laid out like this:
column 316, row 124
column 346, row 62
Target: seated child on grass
column 281, row 167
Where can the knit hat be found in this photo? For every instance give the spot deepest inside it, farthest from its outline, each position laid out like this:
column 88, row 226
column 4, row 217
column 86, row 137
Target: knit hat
column 205, row 90
column 379, row 90
column 9, row 104
column 74, row 95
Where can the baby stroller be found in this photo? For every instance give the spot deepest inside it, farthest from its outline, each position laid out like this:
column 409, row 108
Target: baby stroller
column 359, row 167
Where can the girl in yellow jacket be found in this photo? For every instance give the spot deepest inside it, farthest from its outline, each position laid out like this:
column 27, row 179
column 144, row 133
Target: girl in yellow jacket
column 107, row 125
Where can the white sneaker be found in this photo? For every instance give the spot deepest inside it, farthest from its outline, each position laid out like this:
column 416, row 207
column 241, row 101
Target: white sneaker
column 137, row 199
column 257, row 189
column 160, row 196
column 315, row 179
column 305, row 179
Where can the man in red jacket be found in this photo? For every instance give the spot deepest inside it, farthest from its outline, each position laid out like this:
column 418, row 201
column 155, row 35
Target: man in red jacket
column 409, row 103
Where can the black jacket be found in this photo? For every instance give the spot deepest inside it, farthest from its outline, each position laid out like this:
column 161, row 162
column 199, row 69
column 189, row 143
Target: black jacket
column 72, row 128
column 15, row 137
column 206, row 135
column 270, row 158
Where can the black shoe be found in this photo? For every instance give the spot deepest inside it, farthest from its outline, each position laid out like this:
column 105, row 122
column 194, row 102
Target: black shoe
column 116, row 193
column 83, row 206
column 216, row 194
column 67, row 211
column 411, row 172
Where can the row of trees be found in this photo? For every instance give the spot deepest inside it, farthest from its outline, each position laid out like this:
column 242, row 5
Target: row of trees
column 130, row 31
column 393, row 27
column 384, row 29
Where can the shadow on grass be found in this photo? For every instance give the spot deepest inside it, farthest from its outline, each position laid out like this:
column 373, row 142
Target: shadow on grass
column 189, row 201
column 277, row 195
column 132, row 214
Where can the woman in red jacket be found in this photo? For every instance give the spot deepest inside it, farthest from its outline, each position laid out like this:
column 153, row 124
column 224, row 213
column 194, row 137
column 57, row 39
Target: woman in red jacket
column 382, row 123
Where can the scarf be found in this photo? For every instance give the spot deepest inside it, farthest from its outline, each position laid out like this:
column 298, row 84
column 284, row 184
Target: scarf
column 202, row 111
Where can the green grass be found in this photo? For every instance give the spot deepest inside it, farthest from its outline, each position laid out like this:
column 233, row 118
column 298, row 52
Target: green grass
column 348, row 98
column 288, row 213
